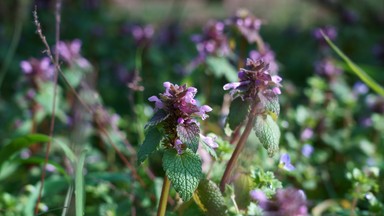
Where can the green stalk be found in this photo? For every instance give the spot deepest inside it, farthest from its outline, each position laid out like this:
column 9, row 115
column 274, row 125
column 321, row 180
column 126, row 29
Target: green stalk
column 79, row 184
column 164, row 197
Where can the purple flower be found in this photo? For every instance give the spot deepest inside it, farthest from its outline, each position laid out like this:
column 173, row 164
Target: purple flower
column 203, row 110
column 360, row 88
column 142, row 34
column 178, row 108
column 209, row 140
column 247, row 24
column 306, row 134
column 70, row 53
column 255, row 82
column 178, row 146
column 327, row 68
column 38, row 69
column 307, row 150
column 158, row 103
column 50, row 168
column 212, row 41
column 290, row 202
column 258, row 195
column 268, row 56
column 285, row 162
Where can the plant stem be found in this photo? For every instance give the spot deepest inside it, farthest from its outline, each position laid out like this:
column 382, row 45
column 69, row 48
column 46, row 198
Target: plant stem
column 164, row 197
column 239, row 147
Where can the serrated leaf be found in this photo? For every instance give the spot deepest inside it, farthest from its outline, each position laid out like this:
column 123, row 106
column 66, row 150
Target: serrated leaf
column 189, row 134
column 237, row 113
column 152, row 139
column 19, row 143
column 209, row 198
column 158, row 117
column 270, row 102
column 221, row 67
column 183, row 170
column 268, row 133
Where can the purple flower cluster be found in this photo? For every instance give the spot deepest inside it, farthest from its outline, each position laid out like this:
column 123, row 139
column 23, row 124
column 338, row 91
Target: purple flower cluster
column 180, row 109
column 70, row 53
column 327, row 68
column 247, row 24
column 213, row 40
column 289, row 202
column 36, row 69
column 255, row 82
column 142, row 34
column 268, row 57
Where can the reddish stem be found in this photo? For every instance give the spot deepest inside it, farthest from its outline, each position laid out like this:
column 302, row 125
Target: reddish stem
column 239, row 147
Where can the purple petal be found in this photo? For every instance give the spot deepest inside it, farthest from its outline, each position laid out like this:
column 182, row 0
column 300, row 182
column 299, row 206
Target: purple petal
column 307, row 150
column 285, row 159
column 258, row 195
column 180, row 120
column 210, row 141
column 206, row 108
column 26, row 67
column 289, row 167
column 231, row 85
column 276, row 90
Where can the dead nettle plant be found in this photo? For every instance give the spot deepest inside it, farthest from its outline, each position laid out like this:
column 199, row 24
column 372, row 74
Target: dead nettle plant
column 175, row 132
column 255, row 94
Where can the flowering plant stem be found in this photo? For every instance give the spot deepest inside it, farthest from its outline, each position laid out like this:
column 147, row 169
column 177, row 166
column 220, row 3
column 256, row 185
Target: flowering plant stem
column 239, row 147
column 164, row 197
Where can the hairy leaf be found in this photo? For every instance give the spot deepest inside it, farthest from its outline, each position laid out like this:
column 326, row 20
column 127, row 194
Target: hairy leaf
column 270, row 102
column 189, row 134
column 237, row 113
column 268, row 133
column 183, row 170
column 152, row 139
column 209, row 198
column 158, row 117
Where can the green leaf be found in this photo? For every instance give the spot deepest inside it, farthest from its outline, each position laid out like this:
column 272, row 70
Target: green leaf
column 158, row 117
column 189, row 134
column 152, row 139
column 221, row 67
column 18, row 144
column 183, row 170
column 45, row 98
column 209, row 198
column 237, row 113
column 266, row 181
column 79, row 184
column 270, row 101
column 74, row 76
column 242, row 186
column 356, row 69
column 268, row 133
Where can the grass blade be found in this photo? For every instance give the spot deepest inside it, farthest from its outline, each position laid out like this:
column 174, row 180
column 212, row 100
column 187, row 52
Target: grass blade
column 79, row 184
column 355, row 68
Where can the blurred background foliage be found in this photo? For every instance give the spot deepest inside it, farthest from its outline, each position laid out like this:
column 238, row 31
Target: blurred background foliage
column 334, row 114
